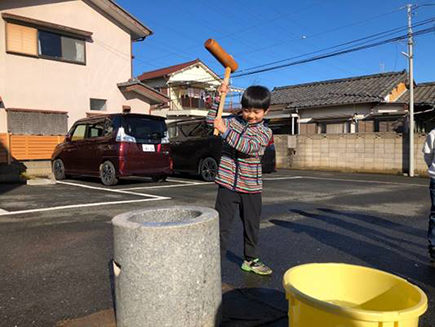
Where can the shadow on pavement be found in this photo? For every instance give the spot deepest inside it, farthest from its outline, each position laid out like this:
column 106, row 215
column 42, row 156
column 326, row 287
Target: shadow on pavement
column 380, row 222
column 254, row 307
column 370, row 233
column 378, row 256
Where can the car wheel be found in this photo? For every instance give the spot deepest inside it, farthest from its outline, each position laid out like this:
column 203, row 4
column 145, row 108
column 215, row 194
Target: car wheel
column 208, row 169
column 108, row 174
column 58, row 169
column 160, row 178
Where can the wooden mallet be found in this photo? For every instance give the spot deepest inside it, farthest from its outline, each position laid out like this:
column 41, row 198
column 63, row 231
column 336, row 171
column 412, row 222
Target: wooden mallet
column 230, row 67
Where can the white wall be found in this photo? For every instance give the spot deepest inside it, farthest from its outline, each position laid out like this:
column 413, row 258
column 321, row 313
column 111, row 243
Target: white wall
column 33, row 83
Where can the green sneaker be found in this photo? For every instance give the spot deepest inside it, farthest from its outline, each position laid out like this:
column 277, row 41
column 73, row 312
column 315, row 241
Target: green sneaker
column 257, row 267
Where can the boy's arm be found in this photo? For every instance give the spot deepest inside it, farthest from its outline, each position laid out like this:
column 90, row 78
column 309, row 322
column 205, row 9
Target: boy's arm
column 250, row 145
column 212, row 113
column 428, row 149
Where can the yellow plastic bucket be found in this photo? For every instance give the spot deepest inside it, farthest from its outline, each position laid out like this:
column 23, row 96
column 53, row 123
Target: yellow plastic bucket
column 342, row 295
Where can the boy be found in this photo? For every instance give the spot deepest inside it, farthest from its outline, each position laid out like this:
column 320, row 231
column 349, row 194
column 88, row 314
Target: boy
column 239, row 174
column 428, row 150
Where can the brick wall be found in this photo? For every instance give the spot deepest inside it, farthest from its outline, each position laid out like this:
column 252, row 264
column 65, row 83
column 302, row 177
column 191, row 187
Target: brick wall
column 364, row 152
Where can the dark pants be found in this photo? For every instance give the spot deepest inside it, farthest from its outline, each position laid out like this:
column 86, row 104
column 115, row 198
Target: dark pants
column 431, row 230
column 249, row 205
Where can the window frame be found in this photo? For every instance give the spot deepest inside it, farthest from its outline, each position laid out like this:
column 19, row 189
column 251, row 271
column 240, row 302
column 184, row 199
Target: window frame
column 48, row 30
column 61, row 58
column 97, row 110
column 106, row 123
column 75, row 128
column 322, row 126
column 7, row 24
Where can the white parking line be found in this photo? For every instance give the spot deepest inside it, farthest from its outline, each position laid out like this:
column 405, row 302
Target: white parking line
column 109, row 189
column 280, row 178
column 150, row 197
column 340, row 180
column 179, row 181
column 362, row 181
column 81, row 206
column 165, row 186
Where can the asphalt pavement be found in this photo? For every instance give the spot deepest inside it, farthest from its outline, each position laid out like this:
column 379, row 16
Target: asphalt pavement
column 56, row 241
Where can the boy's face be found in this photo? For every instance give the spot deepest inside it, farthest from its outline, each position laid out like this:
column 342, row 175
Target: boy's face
column 253, row 115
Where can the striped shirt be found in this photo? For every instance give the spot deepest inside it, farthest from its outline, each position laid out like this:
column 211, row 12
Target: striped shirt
column 244, row 145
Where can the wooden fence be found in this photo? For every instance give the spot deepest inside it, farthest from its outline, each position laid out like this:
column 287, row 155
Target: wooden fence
column 27, row 147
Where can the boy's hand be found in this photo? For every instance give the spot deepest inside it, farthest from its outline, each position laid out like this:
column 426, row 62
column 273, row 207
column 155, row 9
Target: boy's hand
column 220, row 125
column 223, row 88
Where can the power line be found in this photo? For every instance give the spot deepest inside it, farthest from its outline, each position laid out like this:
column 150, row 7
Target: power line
column 328, row 55
column 360, row 46
column 366, row 39
column 147, row 61
column 328, row 31
column 333, row 54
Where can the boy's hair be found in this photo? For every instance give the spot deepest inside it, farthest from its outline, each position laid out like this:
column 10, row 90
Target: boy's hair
column 256, row 96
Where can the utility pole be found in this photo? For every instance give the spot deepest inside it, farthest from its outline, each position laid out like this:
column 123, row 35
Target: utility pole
column 410, row 56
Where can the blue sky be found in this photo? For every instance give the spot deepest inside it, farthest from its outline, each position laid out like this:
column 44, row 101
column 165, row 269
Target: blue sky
column 260, row 32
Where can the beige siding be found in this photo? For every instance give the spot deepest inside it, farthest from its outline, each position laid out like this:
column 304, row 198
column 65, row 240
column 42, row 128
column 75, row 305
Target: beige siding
column 34, row 83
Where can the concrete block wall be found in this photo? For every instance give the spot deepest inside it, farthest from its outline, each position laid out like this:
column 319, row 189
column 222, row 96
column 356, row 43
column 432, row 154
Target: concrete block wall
column 284, row 153
column 364, row 152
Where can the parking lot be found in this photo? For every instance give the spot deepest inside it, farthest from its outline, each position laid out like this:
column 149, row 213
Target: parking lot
column 56, row 240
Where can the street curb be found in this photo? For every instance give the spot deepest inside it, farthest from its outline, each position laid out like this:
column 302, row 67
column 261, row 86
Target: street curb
column 40, row 181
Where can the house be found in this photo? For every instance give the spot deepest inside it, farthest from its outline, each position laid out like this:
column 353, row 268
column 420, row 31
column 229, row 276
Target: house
column 368, row 103
column 61, row 61
column 356, row 124
column 189, row 86
column 424, row 106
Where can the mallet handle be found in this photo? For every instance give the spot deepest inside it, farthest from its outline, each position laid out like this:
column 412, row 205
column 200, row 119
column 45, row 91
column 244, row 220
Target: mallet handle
column 223, row 95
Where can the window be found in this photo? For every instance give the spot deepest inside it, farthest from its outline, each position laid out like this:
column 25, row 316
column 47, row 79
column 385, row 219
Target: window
column 31, row 41
column 172, row 131
column 390, row 125
column 73, row 49
column 188, row 128
column 57, row 46
column 333, row 128
column 145, row 129
column 21, row 39
column 100, row 129
column 49, row 44
column 202, row 130
column 79, row 133
column 98, row 104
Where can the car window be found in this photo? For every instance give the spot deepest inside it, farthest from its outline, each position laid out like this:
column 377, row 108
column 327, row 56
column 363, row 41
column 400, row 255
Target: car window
column 172, row 131
column 188, row 128
column 201, row 130
column 79, row 133
column 144, row 129
column 99, row 129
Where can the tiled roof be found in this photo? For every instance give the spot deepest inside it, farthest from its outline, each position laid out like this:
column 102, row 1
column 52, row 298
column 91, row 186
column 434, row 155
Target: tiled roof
column 165, row 71
column 360, row 89
column 424, row 93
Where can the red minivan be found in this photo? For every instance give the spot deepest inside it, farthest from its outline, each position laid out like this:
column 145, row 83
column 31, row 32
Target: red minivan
column 113, row 146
